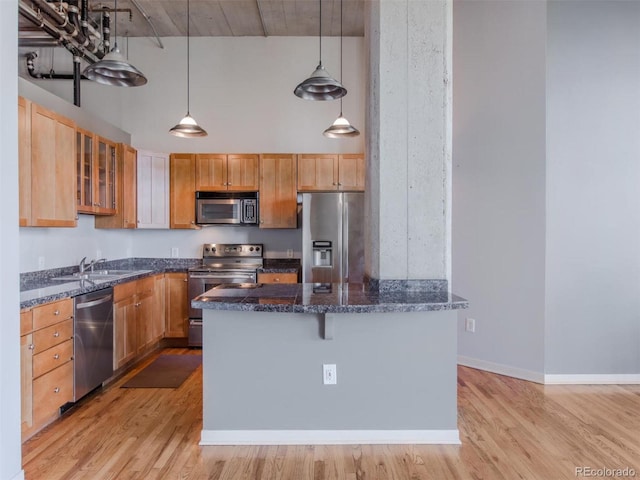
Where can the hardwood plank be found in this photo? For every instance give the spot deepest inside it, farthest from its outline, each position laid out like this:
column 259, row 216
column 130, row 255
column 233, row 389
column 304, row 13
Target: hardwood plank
column 509, row 429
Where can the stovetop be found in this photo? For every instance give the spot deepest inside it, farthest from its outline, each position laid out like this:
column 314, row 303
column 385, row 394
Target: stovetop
column 230, row 256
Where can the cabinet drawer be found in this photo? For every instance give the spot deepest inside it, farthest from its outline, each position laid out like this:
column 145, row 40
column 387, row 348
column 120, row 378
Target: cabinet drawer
column 26, row 322
column 277, row 278
column 51, row 391
column 145, row 285
column 51, row 313
column 54, row 357
column 124, row 290
column 53, row 335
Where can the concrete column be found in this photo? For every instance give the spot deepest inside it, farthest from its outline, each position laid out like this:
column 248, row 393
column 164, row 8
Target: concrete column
column 408, row 144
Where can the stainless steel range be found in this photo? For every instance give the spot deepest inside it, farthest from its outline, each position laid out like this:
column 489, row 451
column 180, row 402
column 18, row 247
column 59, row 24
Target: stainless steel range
column 229, row 263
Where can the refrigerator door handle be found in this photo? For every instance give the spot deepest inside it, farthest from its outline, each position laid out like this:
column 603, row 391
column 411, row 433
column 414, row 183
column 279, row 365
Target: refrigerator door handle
column 345, row 242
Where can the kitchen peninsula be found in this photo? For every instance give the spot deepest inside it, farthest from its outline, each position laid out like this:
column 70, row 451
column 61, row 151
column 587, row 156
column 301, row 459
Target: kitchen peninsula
column 266, row 348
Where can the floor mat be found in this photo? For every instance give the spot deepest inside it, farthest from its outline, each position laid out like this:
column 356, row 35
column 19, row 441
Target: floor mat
column 166, row 371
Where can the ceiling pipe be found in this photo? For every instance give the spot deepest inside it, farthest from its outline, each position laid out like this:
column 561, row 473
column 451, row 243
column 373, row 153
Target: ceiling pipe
column 264, row 27
column 148, row 19
column 31, row 70
column 60, row 35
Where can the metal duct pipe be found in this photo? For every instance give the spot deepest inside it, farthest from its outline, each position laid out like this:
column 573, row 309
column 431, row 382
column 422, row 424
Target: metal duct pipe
column 46, row 25
column 63, row 24
column 31, row 69
column 106, row 31
column 76, row 80
column 84, row 17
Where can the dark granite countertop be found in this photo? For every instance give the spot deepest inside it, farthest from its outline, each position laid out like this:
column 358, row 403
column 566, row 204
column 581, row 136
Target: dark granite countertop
column 280, row 265
column 324, row 298
column 37, row 288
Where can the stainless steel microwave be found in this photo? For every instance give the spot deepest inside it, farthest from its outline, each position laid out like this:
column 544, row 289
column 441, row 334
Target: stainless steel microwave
column 227, row 208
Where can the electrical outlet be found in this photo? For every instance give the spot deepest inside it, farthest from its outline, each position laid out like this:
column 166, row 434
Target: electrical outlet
column 175, row 252
column 289, row 253
column 41, row 263
column 470, row 325
column 329, row 374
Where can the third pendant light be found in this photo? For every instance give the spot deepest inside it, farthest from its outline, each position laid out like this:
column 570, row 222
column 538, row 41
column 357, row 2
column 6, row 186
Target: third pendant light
column 341, row 127
column 188, row 127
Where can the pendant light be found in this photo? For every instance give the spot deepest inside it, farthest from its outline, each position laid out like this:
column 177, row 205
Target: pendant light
column 188, row 127
column 113, row 69
column 341, row 127
column 320, row 85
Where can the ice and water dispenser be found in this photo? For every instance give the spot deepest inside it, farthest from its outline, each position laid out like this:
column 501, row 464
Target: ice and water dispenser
column 322, row 268
column 322, row 253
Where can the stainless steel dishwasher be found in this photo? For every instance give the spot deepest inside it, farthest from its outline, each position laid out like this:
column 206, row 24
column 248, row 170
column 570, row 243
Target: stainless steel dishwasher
column 93, row 341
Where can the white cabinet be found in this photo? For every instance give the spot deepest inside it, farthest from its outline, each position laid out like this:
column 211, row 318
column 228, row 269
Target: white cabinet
column 153, row 189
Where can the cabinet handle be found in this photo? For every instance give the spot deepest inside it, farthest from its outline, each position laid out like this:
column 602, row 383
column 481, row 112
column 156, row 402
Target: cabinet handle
column 57, row 312
column 185, row 280
column 56, row 334
column 56, row 390
column 96, row 204
column 276, row 279
column 56, row 356
column 31, row 346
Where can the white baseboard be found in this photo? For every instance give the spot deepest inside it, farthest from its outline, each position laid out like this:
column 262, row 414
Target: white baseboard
column 593, row 379
column 501, row 369
column 328, row 437
column 553, row 379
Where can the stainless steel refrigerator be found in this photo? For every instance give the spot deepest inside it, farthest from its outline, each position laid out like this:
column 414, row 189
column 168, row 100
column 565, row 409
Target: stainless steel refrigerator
column 332, row 237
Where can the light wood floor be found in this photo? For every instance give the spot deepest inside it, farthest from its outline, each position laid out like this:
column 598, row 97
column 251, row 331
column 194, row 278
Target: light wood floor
column 510, row 429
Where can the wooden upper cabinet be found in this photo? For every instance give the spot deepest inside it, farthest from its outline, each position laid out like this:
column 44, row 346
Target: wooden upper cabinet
column 317, row 172
column 278, row 205
column 211, row 172
column 53, row 169
column 84, row 170
column 96, row 171
column 182, row 198
column 243, row 172
column 322, row 173
column 125, row 191
column 24, row 163
column 221, row 172
column 351, row 172
column 105, row 176
column 153, row 189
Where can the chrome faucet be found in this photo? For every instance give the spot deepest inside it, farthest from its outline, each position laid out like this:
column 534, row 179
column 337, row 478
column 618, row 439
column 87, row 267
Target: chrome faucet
column 83, row 265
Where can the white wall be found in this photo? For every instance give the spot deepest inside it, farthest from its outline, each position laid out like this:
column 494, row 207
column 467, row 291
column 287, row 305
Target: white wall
column 499, row 181
column 10, row 448
column 241, row 93
column 593, row 188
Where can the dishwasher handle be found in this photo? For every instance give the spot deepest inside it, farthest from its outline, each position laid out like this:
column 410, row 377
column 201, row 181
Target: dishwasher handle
column 93, row 303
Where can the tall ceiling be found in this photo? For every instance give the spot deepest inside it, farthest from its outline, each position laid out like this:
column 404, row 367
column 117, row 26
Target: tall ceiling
column 231, row 17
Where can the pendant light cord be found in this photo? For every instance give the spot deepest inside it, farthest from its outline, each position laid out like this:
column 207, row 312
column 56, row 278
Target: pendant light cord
column 115, row 27
column 340, row 53
column 320, row 33
column 188, row 64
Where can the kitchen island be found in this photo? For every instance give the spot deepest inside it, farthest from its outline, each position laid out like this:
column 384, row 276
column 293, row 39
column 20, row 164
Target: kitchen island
column 265, row 348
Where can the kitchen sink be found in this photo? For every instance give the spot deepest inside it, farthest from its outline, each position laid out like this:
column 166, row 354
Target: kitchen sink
column 100, row 275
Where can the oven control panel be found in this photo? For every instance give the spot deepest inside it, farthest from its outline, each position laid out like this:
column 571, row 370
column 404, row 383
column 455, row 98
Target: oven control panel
column 232, row 250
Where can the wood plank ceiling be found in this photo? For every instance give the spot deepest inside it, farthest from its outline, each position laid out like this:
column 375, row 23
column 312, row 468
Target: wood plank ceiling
column 235, row 17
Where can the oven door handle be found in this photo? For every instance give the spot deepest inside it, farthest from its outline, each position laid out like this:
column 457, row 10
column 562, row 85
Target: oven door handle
column 221, row 275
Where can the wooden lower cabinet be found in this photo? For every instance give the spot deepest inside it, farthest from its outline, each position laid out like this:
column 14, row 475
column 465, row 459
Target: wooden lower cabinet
column 135, row 318
column 46, row 363
column 176, row 305
column 287, row 277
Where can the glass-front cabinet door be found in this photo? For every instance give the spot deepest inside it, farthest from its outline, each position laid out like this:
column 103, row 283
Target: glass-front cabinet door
column 105, row 177
column 84, row 171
